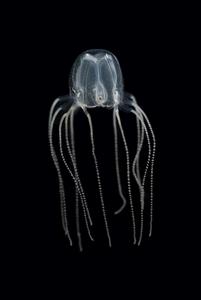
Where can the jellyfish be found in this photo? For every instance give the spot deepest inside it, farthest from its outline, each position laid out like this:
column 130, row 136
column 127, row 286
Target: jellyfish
column 96, row 81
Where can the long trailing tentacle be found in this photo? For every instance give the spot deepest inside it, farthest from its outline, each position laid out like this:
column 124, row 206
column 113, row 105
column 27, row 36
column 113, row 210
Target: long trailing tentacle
column 75, row 168
column 56, row 163
column 136, row 165
column 152, row 163
column 74, row 177
column 139, row 117
column 138, row 180
column 117, row 164
column 73, row 159
column 98, row 174
column 128, row 175
column 140, row 114
column 131, row 105
column 140, row 138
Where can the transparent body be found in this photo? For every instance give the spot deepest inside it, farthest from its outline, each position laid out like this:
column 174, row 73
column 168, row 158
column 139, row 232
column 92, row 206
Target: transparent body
column 96, row 81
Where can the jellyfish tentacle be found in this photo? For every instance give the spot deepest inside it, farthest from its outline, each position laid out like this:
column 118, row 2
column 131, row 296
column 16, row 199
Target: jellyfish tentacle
column 74, row 177
column 65, row 102
column 128, row 175
column 138, row 181
column 139, row 116
column 141, row 185
column 152, row 165
column 79, row 236
column 73, row 159
column 135, row 165
column 130, row 104
column 151, row 156
column 56, row 163
column 56, row 101
column 137, row 176
column 117, row 164
column 98, row 175
column 75, row 168
column 140, row 138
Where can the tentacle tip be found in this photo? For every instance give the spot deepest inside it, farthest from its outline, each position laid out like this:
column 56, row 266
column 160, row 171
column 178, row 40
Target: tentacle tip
column 91, row 237
column 120, row 209
column 69, row 238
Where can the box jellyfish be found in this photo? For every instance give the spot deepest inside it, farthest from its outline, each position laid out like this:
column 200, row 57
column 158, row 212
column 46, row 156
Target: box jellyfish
column 96, row 81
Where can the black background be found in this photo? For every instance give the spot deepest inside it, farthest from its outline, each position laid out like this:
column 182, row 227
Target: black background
column 44, row 42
